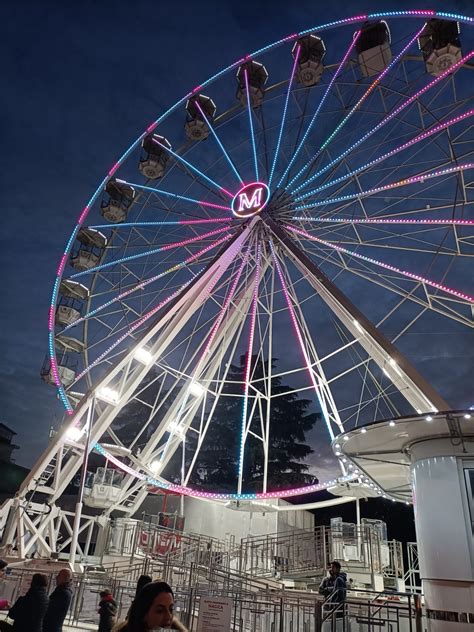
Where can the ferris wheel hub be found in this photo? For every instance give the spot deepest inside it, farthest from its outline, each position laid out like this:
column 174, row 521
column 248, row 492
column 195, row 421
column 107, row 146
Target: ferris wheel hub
column 250, row 200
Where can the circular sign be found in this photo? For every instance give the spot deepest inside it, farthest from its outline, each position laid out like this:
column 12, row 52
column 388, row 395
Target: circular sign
column 250, row 200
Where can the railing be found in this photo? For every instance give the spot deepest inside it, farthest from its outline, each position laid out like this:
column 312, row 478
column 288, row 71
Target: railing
column 307, row 552
column 257, row 605
column 413, row 576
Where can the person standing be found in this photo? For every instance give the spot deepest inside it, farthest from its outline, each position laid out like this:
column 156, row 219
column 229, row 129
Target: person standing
column 107, row 611
column 59, row 602
column 28, row 611
column 334, row 587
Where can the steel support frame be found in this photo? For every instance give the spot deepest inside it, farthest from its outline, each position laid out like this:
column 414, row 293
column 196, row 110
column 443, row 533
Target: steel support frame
column 62, row 459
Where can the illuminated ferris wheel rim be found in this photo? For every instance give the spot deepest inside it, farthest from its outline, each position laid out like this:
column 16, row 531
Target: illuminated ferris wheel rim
column 238, row 214
column 416, row 14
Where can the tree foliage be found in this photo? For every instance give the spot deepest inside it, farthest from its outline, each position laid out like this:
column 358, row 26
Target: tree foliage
column 290, row 420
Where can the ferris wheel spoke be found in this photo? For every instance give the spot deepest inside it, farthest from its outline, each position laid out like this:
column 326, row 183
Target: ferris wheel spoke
column 176, row 196
column 366, row 94
column 393, row 185
column 193, row 168
column 385, row 120
column 415, row 277
column 248, row 366
column 283, row 118
column 143, row 283
column 178, row 244
column 421, row 235
column 390, row 283
column 420, row 137
column 291, row 310
column 205, row 355
column 386, row 220
column 178, row 222
column 219, row 142
column 318, row 109
column 250, row 114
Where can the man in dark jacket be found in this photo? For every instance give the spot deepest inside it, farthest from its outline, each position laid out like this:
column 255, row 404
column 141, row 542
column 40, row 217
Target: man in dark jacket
column 59, row 602
column 334, row 586
column 28, row 611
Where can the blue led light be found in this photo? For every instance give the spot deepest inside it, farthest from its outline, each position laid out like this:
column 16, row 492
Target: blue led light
column 283, row 118
column 249, row 108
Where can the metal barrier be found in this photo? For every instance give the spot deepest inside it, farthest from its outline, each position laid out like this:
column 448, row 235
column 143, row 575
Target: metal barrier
column 303, row 552
column 257, row 605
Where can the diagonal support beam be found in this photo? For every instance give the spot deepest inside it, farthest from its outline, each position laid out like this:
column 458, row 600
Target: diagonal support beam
column 417, row 391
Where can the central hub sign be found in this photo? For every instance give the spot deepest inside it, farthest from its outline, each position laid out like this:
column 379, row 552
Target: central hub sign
column 250, row 200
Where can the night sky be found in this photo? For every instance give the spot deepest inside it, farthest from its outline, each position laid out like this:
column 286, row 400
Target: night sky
column 80, row 82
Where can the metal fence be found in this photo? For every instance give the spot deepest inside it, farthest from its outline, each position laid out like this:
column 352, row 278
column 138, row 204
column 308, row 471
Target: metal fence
column 256, row 608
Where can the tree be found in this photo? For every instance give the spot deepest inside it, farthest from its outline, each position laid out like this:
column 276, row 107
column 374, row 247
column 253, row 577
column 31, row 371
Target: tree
column 217, row 462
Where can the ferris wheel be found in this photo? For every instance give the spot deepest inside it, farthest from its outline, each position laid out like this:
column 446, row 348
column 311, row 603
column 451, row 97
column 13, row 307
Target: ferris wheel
column 298, row 224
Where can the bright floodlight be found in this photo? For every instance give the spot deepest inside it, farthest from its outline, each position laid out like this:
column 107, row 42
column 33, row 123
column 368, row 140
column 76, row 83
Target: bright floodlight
column 143, row 355
column 155, row 466
column 108, row 395
column 176, row 428
column 196, row 389
column 73, row 433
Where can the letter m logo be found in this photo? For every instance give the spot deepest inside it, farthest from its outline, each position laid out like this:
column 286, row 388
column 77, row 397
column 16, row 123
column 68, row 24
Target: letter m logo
column 254, row 202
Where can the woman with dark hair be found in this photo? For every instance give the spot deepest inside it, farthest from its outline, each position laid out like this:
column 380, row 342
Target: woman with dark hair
column 143, row 580
column 28, row 611
column 152, row 608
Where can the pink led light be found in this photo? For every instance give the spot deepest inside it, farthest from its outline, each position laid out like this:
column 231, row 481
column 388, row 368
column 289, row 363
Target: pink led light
column 248, row 365
column 143, row 284
column 51, row 318
column 62, row 264
column 151, row 127
column 172, row 246
column 422, row 13
column 191, row 240
column 217, row 220
column 226, row 304
column 386, row 266
column 140, row 322
column 135, row 326
column 284, row 493
column 388, row 118
column 211, row 205
column 83, row 215
column 430, row 222
column 114, row 169
column 395, row 151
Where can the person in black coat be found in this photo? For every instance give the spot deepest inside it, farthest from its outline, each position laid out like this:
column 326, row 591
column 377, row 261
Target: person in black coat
column 59, row 602
column 107, row 611
column 28, row 611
